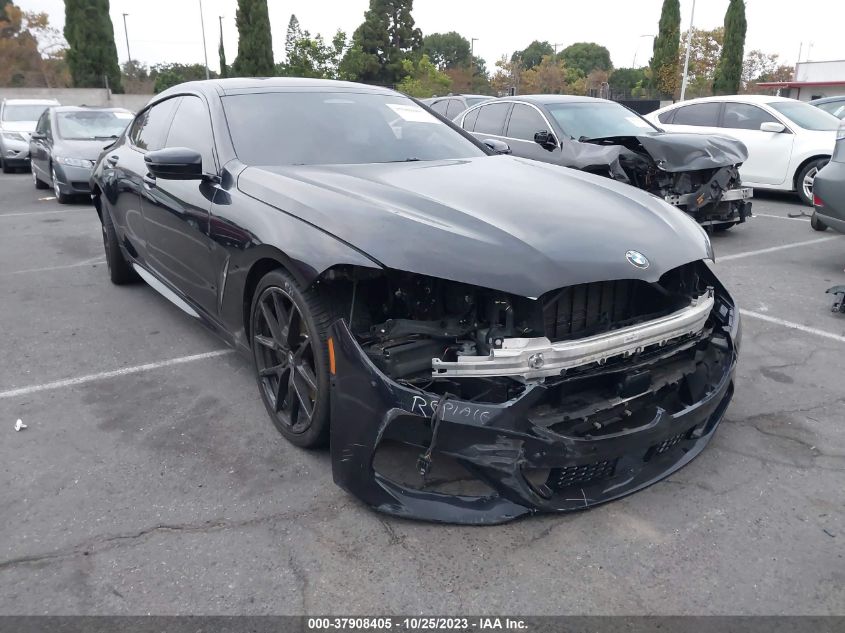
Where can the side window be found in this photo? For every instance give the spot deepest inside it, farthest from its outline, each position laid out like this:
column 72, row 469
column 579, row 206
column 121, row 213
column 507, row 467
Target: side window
column 743, row 116
column 470, row 119
column 698, row 114
column 666, row 117
column 150, row 127
column 456, row 106
column 41, row 128
column 525, row 122
column 440, row 106
column 192, row 129
column 491, row 119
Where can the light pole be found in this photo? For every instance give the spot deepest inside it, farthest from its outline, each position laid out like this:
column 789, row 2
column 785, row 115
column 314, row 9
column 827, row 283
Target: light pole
column 637, row 49
column 126, row 33
column 686, row 57
column 204, row 49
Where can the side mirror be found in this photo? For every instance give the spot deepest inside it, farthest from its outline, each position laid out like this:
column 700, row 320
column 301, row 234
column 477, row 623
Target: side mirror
column 37, row 136
column 500, row 147
column 771, row 126
column 546, row 140
column 175, row 163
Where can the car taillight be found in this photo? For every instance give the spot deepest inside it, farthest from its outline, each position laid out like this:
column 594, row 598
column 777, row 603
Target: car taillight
column 817, row 202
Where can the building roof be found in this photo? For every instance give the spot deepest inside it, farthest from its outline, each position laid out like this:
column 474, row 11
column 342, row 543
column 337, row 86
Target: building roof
column 799, row 84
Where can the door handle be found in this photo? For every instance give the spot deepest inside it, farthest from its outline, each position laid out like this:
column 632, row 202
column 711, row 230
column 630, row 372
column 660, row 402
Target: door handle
column 149, row 180
column 112, row 160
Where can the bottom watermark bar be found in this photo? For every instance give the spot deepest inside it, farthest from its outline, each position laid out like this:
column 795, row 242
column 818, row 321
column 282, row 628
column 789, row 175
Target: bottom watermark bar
column 319, row 624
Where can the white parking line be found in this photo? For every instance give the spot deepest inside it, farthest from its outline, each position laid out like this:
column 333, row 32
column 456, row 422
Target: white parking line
column 100, row 259
column 81, row 380
column 15, row 215
column 791, row 325
column 772, row 249
column 780, row 217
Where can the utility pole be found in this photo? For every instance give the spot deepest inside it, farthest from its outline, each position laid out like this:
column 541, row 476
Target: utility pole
column 126, row 33
column 204, row 49
column 686, row 58
column 554, row 46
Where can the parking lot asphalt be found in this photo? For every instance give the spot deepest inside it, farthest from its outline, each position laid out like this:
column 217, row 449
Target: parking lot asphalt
column 147, row 486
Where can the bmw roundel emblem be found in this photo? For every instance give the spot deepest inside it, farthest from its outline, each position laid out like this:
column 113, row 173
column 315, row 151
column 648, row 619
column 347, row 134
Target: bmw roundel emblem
column 637, row 259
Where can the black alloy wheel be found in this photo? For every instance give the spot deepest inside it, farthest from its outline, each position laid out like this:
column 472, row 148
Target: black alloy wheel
column 289, row 348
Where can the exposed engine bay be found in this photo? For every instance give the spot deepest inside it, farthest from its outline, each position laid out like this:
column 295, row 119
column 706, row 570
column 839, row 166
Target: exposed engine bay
column 580, row 396
column 696, row 173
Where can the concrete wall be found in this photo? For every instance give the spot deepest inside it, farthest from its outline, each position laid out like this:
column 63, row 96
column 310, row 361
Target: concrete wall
column 78, row 96
column 820, row 71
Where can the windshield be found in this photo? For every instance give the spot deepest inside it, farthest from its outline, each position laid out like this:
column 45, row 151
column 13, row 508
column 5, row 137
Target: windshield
column 599, row 119
column 92, row 124
column 836, row 108
column 806, row 116
column 322, row 128
column 23, row 112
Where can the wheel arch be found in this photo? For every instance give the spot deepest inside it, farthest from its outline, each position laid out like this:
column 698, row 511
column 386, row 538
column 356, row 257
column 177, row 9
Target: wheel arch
column 803, row 164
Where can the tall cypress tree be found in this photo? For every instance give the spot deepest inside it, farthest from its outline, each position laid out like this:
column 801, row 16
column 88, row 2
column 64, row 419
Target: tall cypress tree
column 221, row 52
column 664, row 62
column 255, row 42
column 92, row 54
column 383, row 41
column 728, row 74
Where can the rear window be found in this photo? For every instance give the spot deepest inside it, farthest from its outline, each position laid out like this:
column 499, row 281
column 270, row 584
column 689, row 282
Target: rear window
column 698, row 114
column 806, row 116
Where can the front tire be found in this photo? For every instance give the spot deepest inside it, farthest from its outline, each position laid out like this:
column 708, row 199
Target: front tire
column 805, row 178
column 61, row 198
column 817, row 224
column 289, row 327
column 120, row 271
column 37, row 181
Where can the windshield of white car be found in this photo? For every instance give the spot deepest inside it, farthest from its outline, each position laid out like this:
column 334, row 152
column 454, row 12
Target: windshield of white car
column 83, row 125
column 806, row 116
column 334, row 128
column 17, row 113
column 599, row 119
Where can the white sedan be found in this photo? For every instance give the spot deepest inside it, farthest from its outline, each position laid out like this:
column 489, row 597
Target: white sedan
column 788, row 141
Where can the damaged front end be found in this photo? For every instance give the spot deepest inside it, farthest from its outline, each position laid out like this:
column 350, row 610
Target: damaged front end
column 461, row 404
column 697, row 173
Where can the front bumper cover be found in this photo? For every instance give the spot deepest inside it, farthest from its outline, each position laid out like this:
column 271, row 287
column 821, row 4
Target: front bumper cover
column 499, row 445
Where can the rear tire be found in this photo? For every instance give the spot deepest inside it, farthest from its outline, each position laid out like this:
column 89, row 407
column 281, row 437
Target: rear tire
column 120, row 271
column 817, row 224
column 805, row 178
column 721, row 228
column 289, row 329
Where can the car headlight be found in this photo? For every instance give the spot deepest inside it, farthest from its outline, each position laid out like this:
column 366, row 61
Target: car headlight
column 74, row 162
column 840, row 133
column 13, row 136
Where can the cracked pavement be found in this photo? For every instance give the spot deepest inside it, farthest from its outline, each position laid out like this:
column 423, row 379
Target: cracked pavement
column 169, row 492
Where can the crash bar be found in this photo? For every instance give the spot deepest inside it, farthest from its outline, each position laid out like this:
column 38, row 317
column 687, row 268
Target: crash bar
column 536, row 358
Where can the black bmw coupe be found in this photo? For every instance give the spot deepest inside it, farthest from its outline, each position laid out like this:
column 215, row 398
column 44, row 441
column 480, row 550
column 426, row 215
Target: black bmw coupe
column 555, row 334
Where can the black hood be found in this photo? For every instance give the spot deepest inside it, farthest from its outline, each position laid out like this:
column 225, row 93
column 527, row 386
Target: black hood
column 678, row 151
column 499, row 222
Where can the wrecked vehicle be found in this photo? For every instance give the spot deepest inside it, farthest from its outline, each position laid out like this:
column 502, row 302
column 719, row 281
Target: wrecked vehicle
column 695, row 172
column 399, row 285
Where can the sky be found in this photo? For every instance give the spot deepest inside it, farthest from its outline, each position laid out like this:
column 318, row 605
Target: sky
column 170, row 30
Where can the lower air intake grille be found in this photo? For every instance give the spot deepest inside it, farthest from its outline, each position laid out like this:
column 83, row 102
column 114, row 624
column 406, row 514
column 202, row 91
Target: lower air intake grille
column 570, row 476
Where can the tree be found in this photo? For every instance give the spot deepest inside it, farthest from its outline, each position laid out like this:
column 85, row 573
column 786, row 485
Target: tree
column 760, row 67
column 664, row 62
column 729, row 69
column 473, row 79
column 221, row 53
column 382, row 42
column 307, row 56
column 255, row 42
column 92, row 56
column 533, row 54
column 705, row 49
column 423, row 79
column 169, row 75
column 550, row 76
column 447, row 50
column 586, row 57
column 625, row 81
column 507, row 76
